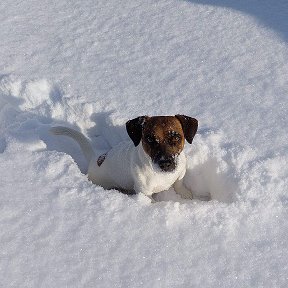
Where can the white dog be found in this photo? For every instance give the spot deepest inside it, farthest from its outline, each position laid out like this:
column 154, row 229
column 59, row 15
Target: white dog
column 151, row 167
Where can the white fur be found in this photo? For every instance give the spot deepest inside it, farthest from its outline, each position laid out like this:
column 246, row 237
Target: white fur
column 129, row 168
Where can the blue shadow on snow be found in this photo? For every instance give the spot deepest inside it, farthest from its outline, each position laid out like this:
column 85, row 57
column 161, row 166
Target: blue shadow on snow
column 272, row 14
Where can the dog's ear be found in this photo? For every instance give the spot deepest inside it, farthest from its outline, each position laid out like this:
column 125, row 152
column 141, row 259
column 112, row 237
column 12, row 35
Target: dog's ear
column 189, row 126
column 134, row 129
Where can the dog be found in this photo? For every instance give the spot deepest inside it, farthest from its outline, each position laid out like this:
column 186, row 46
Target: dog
column 152, row 162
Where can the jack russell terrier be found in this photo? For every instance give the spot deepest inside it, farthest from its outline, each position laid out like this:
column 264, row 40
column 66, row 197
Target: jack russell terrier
column 154, row 162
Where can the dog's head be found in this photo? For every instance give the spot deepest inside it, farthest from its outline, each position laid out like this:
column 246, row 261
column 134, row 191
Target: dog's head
column 162, row 137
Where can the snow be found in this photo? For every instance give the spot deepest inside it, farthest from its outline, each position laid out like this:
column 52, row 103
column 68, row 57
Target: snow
column 93, row 65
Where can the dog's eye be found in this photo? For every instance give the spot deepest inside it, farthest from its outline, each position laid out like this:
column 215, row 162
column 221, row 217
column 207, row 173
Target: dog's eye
column 174, row 136
column 150, row 139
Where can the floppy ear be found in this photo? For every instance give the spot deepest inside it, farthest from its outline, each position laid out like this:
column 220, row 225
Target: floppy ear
column 134, row 129
column 189, row 126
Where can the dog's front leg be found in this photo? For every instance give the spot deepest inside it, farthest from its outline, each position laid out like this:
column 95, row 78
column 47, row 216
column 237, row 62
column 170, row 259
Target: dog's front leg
column 145, row 197
column 140, row 189
column 180, row 189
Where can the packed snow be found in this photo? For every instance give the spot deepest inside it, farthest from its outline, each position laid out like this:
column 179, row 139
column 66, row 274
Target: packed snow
column 93, row 65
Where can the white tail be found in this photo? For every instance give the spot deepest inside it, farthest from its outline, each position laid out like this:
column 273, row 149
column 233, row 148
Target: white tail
column 78, row 137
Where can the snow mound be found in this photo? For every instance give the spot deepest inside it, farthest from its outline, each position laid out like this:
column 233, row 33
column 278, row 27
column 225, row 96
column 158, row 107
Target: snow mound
column 32, row 107
column 217, row 169
column 210, row 173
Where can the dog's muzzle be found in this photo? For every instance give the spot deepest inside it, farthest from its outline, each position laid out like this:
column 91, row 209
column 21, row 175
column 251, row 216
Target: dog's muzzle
column 166, row 164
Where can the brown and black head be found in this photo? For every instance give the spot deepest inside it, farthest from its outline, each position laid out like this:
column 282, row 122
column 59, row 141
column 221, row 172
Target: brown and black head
column 162, row 137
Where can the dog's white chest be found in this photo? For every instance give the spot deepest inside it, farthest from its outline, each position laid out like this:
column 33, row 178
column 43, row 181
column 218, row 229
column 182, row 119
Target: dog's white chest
column 149, row 179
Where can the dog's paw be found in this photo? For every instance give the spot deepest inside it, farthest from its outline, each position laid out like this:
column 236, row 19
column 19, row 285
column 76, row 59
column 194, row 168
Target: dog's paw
column 143, row 199
column 180, row 189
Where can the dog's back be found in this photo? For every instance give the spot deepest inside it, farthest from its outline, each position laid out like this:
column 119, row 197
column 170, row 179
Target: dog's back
column 114, row 170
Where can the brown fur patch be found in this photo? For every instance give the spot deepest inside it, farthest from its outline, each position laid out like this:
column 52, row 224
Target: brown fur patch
column 162, row 135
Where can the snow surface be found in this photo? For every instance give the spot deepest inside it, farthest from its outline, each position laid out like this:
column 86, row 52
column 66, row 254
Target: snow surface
column 93, row 65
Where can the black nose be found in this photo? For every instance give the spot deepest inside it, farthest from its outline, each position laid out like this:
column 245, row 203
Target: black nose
column 166, row 165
